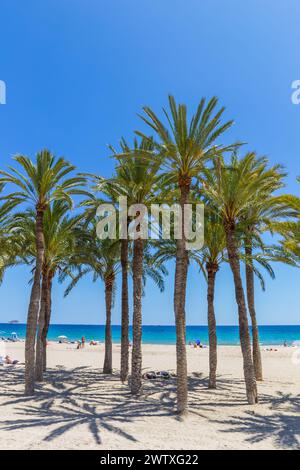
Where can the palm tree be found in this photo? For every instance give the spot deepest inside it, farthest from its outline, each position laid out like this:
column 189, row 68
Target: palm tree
column 139, row 180
column 102, row 259
column 39, row 184
column 208, row 259
column 291, row 238
column 60, row 237
column 243, row 193
column 132, row 180
column 43, row 325
column 258, row 218
column 112, row 189
column 211, row 256
column 184, row 148
column 257, row 362
column 233, row 189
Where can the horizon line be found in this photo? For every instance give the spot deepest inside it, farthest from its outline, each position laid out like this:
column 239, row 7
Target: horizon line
column 103, row 324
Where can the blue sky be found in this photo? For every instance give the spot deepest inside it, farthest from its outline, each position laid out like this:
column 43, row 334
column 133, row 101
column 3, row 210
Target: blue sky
column 77, row 72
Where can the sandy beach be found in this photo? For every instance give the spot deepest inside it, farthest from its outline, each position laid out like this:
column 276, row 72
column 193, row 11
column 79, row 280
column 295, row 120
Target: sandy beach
column 79, row 408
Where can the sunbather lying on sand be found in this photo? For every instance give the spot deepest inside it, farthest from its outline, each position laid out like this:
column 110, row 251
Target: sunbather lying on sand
column 8, row 360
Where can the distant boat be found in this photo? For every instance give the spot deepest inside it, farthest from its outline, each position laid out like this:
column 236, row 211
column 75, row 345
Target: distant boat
column 13, row 322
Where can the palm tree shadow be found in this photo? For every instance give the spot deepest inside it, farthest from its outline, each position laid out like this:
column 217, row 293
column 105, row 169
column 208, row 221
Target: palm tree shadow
column 82, row 396
column 283, row 429
column 258, row 424
column 71, row 398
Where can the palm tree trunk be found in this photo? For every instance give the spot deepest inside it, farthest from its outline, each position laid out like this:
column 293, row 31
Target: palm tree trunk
column 250, row 381
column 136, row 360
column 43, row 326
column 251, row 306
column 125, row 313
column 179, row 307
column 47, row 322
column 107, row 366
column 34, row 306
column 212, row 269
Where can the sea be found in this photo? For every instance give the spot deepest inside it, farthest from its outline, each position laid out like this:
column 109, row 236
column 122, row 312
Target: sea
column 162, row 334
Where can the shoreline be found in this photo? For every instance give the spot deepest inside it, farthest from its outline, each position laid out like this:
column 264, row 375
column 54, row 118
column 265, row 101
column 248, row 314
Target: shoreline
column 206, row 345
column 163, row 335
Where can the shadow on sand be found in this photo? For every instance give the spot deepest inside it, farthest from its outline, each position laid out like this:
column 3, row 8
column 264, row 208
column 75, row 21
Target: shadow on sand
column 73, row 397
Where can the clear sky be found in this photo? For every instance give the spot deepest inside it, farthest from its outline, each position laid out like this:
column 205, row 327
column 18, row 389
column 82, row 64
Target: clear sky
column 77, row 72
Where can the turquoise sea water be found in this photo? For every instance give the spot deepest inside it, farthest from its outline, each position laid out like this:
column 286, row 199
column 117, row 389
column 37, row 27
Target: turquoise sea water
column 162, row 334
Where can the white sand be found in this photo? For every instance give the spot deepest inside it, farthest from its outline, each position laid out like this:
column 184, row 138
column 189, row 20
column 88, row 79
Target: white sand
column 79, row 408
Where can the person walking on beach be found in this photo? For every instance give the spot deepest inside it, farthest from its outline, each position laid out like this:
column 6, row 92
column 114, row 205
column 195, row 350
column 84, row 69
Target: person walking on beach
column 82, row 341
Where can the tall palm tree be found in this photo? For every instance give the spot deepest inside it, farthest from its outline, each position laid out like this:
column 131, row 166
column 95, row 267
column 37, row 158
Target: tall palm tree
column 211, row 256
column 60, row 237
column 265, row 211
column 184, row 147
column 124, row 365
column 128, row 182
column 140, row 179
column 102, row 258
column 233, row 189
column 238, row 190
column 208, row 259
column 112, row 189
column 40, row 183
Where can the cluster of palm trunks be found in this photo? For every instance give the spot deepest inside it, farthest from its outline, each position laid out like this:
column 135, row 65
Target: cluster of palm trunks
column 182, row 162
